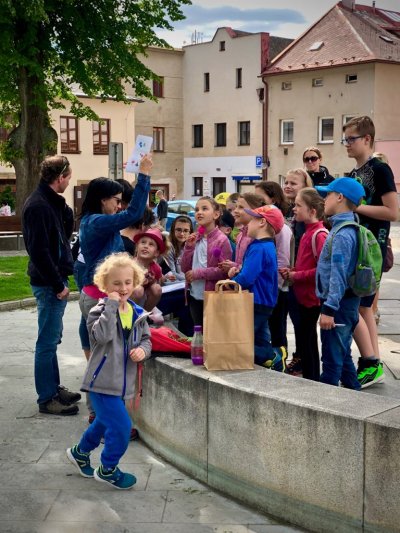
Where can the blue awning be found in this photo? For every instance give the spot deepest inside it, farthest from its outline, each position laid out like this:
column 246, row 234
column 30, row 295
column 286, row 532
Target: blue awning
column 250, row 177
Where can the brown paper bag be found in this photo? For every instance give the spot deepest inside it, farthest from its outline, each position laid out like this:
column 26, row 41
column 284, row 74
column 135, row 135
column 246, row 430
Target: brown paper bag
column 228, row 338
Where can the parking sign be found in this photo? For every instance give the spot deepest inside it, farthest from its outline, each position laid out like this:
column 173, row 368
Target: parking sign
column 258, row 161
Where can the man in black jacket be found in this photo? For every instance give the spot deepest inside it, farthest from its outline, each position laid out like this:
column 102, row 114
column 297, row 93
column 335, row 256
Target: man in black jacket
column 47, row 223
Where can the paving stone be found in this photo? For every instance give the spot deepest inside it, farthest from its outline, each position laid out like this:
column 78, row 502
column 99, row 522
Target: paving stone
column 209, row 507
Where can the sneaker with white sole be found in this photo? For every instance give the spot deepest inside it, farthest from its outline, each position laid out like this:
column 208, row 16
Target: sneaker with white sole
column 370, row 372
column 81, row 460
column 115, row 478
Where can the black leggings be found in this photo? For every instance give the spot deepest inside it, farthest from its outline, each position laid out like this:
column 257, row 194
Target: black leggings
column 196, row 310
column 307, row 346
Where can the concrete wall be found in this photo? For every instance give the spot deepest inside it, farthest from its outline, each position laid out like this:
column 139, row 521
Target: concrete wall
column 321, row 457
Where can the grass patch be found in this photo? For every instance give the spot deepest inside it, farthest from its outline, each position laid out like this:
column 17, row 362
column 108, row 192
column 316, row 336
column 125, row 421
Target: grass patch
column 14, row 280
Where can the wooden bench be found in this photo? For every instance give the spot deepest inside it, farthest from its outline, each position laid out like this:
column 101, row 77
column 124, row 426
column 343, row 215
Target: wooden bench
column 11, row 227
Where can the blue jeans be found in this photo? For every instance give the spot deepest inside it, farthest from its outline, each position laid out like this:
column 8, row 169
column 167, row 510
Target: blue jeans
column 113, row 422
column 262, row 336
column 50, row 325
column 337, row 364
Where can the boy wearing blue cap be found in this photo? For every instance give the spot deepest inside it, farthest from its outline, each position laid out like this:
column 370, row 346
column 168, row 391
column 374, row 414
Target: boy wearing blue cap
column 379, row 208
column 337, row 262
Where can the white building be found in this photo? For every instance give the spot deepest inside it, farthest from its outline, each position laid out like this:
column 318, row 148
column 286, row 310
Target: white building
column 223, row 110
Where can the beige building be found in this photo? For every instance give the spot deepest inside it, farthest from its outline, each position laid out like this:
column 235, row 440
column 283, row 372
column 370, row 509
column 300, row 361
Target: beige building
column 346, row 64
column 86, row 143
column 223, row 110
column 163, row 120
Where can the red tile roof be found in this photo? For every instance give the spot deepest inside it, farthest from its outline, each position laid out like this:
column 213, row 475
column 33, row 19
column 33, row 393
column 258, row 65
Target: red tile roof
column 348, row 37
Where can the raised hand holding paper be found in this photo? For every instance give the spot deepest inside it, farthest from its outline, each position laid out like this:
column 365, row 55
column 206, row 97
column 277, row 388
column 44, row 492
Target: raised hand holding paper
column 142, row 147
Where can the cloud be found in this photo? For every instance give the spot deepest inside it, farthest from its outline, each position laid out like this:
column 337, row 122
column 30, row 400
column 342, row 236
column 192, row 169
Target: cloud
column 218, row 16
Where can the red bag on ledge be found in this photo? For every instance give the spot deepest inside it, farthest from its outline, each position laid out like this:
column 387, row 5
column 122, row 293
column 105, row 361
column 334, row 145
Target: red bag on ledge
column 166, row 341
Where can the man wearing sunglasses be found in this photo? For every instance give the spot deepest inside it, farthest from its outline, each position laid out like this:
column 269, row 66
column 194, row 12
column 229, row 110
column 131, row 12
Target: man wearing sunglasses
column 318, row 173
column 47, row 223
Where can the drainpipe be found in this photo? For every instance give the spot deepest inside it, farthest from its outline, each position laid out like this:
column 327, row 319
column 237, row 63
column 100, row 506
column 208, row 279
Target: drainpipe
column 265, row 131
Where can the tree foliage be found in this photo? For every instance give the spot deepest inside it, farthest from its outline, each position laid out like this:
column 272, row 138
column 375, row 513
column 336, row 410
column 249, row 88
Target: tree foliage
column 48, row 47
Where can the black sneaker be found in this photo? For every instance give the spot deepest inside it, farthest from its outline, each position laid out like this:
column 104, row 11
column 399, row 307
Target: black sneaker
column 66, row 396
column 56, row 407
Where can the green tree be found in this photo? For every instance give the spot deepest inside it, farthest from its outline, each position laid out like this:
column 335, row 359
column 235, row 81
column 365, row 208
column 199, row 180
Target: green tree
column 47, row 46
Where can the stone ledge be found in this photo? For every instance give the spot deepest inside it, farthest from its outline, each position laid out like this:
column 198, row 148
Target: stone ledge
column 302, row 451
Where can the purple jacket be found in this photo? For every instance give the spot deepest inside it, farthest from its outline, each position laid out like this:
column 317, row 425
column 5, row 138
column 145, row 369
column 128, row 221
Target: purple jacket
column 216, row 241
column 242, row 242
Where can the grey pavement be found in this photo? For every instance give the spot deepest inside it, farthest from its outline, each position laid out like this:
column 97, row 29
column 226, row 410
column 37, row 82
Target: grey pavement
column 42, row 493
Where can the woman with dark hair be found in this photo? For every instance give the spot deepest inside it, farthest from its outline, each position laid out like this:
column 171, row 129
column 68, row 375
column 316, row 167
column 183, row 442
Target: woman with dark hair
column 101, row 223
column 312, row 157
column 273, row 194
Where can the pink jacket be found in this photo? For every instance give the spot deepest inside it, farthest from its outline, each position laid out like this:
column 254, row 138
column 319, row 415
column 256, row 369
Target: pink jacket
column 216, row 240
column 242, row 242
column 306, row 266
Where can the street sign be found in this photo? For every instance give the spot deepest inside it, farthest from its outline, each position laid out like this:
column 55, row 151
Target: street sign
column 115, row 161
column 259, row 161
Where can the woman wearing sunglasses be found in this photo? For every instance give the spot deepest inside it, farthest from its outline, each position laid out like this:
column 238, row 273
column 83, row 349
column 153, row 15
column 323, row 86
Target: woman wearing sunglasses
column 319, row 174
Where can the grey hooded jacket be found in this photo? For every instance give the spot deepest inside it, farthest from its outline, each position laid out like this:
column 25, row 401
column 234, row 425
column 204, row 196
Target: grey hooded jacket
column 110, row 370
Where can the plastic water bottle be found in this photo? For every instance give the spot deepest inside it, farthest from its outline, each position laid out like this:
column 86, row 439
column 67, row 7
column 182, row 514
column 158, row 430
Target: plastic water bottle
column 197, row 346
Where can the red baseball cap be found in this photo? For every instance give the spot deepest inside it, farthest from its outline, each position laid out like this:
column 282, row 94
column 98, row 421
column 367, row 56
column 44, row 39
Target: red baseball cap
column 154, row 234
column 272, row 215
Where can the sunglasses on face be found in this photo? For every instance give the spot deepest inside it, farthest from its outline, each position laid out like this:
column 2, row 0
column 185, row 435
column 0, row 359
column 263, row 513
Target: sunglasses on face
column 180, row 230
column 310, row 159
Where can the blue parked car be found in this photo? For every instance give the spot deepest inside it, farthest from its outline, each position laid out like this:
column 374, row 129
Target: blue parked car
column 179, row 207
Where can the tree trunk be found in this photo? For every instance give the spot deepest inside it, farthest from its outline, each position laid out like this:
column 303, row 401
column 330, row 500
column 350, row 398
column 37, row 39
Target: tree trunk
column 32, row 139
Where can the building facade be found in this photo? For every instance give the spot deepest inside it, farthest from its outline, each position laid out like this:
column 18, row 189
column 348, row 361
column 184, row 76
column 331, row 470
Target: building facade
column 163, row 119
column 347, row 64
column 223, row 111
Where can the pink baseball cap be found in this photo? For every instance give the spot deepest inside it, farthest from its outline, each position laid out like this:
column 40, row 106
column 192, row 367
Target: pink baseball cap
column 154, row 234
column 272, row 215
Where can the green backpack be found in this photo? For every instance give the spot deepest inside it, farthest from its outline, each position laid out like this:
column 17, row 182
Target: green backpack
column 367, row 276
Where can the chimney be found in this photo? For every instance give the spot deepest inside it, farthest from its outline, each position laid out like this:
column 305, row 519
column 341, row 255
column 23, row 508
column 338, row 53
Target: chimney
column 373, row 7
column 350, row 4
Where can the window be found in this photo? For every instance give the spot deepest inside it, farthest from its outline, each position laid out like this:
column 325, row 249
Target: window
column 69, row 135
column 220, row 134
column 325, row 130
column 351, row 78
column 286, row 86
column 185, row 209
column 244, row 133
column 206, row 82
column 158, row 139
column 316, row 46
column 158, row 88
column 222, row 46
column 197, row 186
column 287, row 130
column 347, row 118
column 318, row 82
column 238, row 78
column 101, row 136
column 198, row 136
column 219, row 185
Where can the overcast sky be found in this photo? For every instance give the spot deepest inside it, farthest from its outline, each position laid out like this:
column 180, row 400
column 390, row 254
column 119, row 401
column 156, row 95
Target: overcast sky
column 286, row 18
